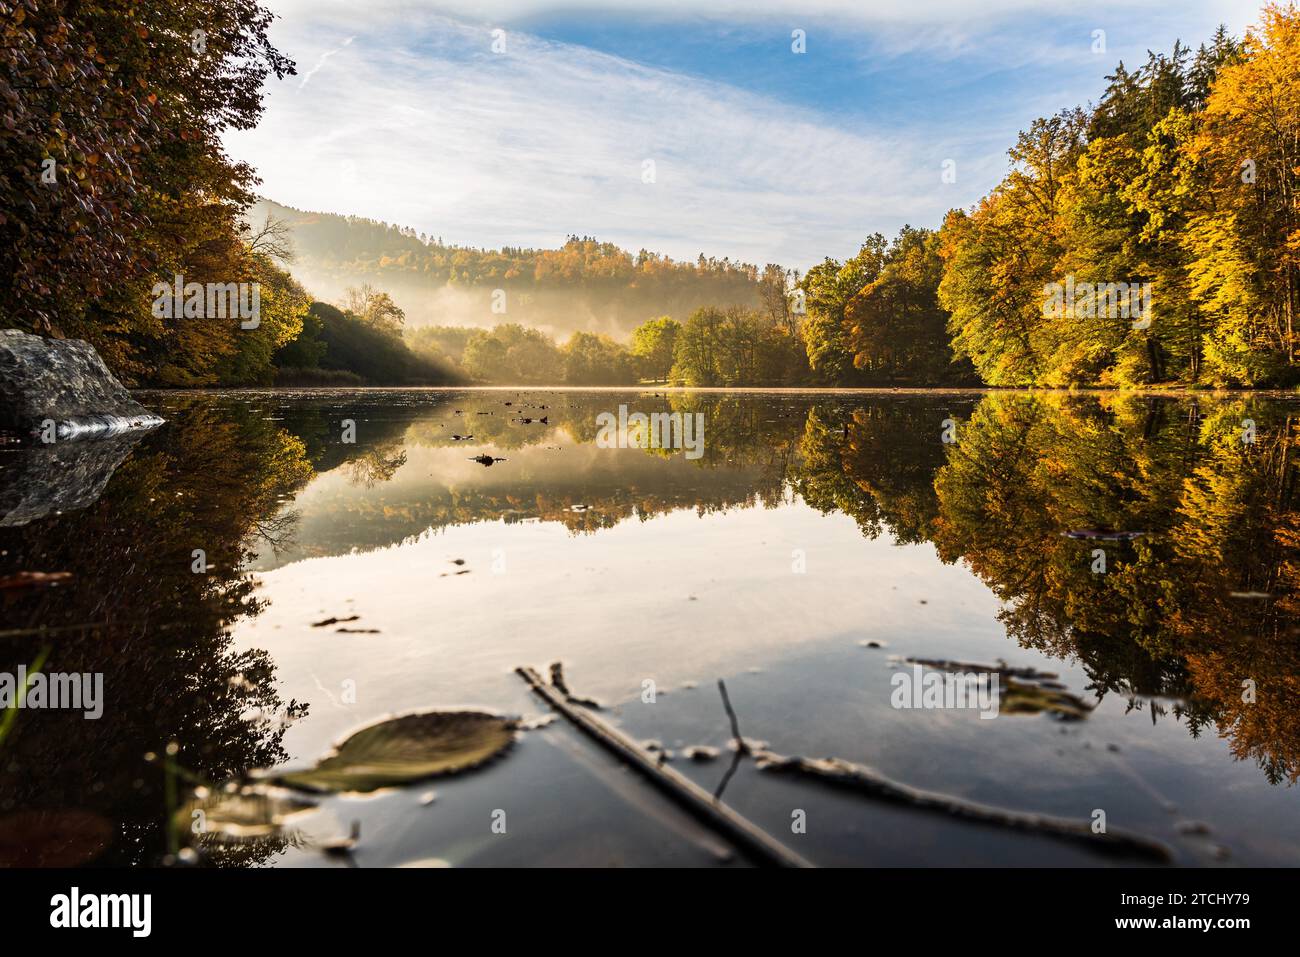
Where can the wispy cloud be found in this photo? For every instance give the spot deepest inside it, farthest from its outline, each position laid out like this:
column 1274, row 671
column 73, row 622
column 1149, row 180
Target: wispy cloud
column 546, row 139
column 959, row 14
column 426, row 126
column 320, row 61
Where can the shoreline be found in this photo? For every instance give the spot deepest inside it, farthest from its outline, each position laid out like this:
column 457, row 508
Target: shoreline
column 754, row 390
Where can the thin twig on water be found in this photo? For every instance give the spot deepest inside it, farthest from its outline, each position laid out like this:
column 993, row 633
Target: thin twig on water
column 754, row 842
column 864, row 780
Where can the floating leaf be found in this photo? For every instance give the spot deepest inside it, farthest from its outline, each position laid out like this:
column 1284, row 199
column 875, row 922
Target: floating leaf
column 236, row 815
column 408, row 748
column 1022, row 697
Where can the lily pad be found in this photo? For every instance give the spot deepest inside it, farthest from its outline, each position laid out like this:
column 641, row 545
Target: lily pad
column 406, row 749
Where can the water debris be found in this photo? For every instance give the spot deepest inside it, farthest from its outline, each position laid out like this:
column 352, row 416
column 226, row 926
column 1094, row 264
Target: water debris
column 557, row 680
column 1023, row 698
column 342, row 846
column 427, row 798
column 356, row 631
column 31, row 581
column 486, row 460
column 864, row 780
column 736, row 738
column 1000, row 666
column 458, row 561
column 1023, row 690
column 757, row 844
column 701, row 753
column 243, row 813
column 1250, row 595
column 334, row 621
column 406, row 749
column 656, row 747
column 462, row 438
column 871, row 643
column 1103, row 534
column 579, row 508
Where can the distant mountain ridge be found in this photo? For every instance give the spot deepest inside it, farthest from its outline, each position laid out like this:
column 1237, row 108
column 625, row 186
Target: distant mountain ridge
column 584, row 285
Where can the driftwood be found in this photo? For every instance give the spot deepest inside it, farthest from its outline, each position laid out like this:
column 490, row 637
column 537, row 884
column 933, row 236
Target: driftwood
column 754, row 842
column 864, row 780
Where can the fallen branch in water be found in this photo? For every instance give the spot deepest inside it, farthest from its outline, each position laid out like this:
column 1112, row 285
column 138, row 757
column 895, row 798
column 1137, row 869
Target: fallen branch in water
column 741, row 746
column 560, row 685
column 753, row 841
column 855, row 777
column 741, row 750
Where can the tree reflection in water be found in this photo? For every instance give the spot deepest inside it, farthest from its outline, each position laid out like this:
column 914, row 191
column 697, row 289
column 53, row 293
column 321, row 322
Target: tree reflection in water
column 1198, row 612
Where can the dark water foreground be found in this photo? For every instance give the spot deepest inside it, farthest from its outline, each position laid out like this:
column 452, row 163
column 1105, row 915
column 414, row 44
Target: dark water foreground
column 818, row 547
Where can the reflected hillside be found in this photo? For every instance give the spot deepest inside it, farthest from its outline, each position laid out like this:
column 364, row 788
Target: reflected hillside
column 406, row 474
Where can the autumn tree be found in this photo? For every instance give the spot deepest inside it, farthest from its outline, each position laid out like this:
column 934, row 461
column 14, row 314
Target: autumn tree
column 896, row 328
column 1246, row 241
column 375, row 308
column 827, row 289
column 112, row 172
column 999, row 257
column 652, row 346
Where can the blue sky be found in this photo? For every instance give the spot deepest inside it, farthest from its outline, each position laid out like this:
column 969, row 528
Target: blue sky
column 403, row 111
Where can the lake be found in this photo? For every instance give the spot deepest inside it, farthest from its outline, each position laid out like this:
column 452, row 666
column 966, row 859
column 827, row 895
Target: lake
column 270, row 571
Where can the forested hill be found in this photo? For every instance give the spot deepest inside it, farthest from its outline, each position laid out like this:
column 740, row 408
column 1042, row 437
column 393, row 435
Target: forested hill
column 583, row 285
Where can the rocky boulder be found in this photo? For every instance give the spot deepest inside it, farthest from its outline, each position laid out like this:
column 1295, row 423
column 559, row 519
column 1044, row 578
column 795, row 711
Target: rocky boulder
column 64, row 382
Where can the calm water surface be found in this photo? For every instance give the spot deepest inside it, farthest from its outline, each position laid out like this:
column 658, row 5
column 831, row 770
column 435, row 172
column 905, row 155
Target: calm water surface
column 817, row 545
